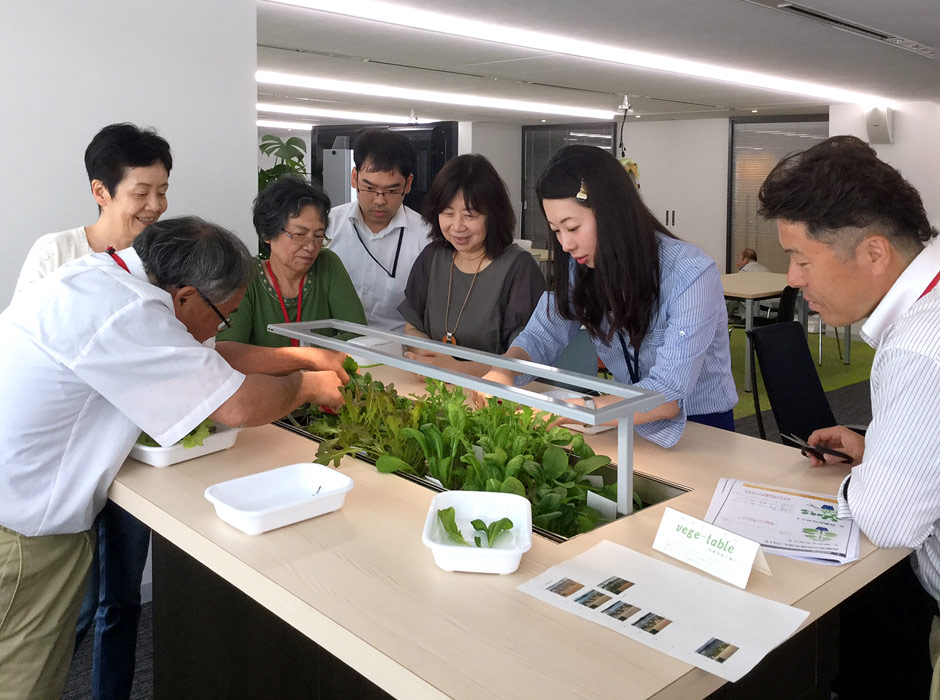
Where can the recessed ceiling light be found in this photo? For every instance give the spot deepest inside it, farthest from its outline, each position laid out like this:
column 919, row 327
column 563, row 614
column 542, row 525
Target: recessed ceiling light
column 753, row 111
column 340, row 114
column 637, row 115
column 544, row 120
column 313, row 82
column 409, row 16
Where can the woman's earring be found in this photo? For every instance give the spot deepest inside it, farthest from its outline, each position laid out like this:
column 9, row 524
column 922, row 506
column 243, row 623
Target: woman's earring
column 582, row 193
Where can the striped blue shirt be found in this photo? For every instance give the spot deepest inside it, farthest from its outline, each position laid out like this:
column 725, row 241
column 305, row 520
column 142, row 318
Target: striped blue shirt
column 685, row 353
column 894, row 494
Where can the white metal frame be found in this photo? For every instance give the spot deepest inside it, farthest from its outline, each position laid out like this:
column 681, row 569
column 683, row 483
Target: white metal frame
column 633, row 399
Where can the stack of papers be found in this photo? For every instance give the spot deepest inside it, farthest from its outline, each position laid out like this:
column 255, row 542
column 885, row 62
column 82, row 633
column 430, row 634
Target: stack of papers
column 788, row 522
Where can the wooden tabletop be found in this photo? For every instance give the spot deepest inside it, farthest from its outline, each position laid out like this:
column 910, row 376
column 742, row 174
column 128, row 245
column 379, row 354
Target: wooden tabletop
column 753, row 285
column 361, row 584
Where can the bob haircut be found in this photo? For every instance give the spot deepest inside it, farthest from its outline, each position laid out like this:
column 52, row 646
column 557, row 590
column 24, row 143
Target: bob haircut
column 621, row 292
column 381, row 151
column 118, row 147
column 284, row 199
column 840, row 186
column 483, row 191
column 189, row 251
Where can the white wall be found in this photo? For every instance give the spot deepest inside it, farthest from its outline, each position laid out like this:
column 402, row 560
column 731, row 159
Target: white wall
column 70, row 68
column 683, row 167
column 916, row 148
column 502, row 145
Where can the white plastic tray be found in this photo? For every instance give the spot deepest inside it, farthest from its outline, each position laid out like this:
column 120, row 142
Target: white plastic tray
column 223, row 438
column 505, row 557
column 272, row 499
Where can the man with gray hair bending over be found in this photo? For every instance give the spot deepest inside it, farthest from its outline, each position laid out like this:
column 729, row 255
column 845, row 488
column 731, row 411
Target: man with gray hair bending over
column 106, row 346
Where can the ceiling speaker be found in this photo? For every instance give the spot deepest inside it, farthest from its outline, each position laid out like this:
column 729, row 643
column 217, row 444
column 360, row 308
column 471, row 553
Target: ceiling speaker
column 879, row 125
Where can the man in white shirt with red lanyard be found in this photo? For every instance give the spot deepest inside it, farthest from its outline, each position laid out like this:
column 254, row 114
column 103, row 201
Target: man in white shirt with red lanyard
column 109, row 345
column 376, row 236
column 860, row 245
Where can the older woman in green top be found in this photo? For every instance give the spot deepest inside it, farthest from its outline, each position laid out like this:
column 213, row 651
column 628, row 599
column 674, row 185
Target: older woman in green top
column 301, row 281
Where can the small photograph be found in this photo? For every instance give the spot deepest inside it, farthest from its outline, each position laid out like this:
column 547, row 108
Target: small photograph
column 592, row 599
column 717, row 650
column 652, row 623
column 565, row 587
column 616, row 585
column 621, row 610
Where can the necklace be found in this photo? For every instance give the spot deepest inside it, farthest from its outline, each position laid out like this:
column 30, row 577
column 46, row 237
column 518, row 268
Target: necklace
column 449, row 335
column 300, row 298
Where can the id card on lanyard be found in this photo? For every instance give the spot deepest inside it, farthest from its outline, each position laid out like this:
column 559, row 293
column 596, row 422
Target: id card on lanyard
column 632, row 360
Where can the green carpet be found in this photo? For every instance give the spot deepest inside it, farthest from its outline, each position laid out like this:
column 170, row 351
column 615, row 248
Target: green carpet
column 833, row 373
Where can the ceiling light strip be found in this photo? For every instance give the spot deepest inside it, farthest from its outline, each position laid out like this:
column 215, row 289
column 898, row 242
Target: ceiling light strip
column 406, row 16
column 450, row 98
column 341, row 114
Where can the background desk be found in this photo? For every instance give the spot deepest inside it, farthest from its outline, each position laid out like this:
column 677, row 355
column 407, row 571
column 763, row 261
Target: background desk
column 361, row 585
column 750, row 287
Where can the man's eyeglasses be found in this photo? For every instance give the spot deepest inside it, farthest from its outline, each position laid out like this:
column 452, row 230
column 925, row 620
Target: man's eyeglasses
column 388, row 194
column 225, row 321
column 302, row 239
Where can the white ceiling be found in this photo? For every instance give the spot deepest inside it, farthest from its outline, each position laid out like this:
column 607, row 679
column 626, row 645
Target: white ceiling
column 731, row 33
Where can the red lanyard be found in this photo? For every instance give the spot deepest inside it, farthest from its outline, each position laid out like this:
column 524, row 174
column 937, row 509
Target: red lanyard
column 117, row 258
column 933, row 283
column 300, row 297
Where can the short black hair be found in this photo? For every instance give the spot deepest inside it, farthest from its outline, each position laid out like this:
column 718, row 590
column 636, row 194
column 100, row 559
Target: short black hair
column 841, row 184
column 189, row 251
column 749, row 254
column 118, row 147
column 284, row 199
column 483, row 191
column 384, row 151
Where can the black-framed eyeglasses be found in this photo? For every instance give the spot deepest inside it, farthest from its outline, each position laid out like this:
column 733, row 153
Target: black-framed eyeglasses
column 303, row 239
column 225, row 321
column 388, row 194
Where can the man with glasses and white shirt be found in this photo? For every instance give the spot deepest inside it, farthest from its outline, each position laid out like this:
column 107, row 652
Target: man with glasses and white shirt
column 376, row 236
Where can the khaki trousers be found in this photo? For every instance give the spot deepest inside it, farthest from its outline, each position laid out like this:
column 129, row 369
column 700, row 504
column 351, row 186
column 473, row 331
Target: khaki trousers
column 42, row 581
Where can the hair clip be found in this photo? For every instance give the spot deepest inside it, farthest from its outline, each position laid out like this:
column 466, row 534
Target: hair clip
column 582, row 193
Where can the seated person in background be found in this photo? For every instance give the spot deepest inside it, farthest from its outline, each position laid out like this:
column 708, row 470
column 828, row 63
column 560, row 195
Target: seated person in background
column 747, row 262
column 471, row 286
column 300, row 281
column 107, row 346
column 376, row 236
column 652, row 304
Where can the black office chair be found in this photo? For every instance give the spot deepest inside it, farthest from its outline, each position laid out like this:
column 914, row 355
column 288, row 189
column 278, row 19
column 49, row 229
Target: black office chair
column 796, row 396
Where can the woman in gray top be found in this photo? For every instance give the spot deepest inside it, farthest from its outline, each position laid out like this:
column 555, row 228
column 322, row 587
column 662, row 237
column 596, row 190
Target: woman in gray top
column 471, row 285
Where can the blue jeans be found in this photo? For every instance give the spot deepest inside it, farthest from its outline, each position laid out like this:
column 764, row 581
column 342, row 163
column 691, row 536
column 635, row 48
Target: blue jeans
column 112, row 601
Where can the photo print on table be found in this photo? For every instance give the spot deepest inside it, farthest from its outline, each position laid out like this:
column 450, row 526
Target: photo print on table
column 592, row 599
column 717, row 650
column 652, row 623
column 615, row 584
column 565, row 587
column 621, row 610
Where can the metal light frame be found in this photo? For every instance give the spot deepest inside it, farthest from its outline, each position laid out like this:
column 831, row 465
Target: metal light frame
column 633, row 399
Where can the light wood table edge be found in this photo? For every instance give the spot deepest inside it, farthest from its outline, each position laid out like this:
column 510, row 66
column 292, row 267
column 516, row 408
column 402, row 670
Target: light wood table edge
column 349, row 648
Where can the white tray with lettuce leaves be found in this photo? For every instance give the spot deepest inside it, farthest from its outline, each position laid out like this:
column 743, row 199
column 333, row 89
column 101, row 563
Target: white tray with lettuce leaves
column 206, row 438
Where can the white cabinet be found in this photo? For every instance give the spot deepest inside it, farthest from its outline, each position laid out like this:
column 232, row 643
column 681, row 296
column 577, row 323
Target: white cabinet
column 684, row 177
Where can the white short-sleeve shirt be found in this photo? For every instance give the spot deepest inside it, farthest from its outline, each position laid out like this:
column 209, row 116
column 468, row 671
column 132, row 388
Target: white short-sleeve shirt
column 370, row 259
column 91, row 356
column 50, row 252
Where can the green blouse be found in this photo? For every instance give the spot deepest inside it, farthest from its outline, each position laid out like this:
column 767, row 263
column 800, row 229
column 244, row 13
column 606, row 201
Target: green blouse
column 328, row 293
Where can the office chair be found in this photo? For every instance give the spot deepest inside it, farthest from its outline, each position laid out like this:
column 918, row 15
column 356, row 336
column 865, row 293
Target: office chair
column 786, row 365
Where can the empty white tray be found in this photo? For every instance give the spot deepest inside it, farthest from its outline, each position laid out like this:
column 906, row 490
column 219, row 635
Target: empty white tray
column 505, row 557
column 272, row 499
column 221, row 439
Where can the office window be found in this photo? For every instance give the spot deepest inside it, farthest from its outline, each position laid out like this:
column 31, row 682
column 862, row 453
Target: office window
column 539, row 144
column 757, row 146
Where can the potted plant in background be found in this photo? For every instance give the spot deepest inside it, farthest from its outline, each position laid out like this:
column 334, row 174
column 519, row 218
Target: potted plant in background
column 288, row 158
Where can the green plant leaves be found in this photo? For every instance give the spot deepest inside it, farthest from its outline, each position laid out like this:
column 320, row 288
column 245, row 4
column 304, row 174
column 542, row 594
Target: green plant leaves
column 448, row 518
column 492, row 530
